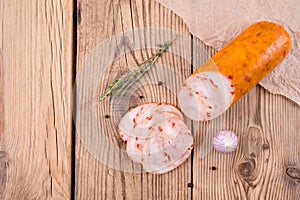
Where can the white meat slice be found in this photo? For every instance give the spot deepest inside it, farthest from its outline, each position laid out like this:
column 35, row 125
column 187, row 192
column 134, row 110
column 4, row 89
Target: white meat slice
column 170, row 143
column 137, row 121
column 134, row 148
column 176, row 163
column 136, row 144
column 205, row 95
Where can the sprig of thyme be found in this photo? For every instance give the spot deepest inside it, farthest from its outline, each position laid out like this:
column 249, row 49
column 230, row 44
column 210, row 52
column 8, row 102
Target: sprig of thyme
column 122, row 84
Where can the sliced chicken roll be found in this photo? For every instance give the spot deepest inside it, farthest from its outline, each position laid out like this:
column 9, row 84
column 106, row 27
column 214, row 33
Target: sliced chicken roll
column 156, row 137
column 168, row 147
column 138, row 120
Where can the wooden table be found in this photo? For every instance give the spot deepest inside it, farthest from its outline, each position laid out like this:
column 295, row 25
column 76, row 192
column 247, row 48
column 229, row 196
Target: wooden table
column 43, row 45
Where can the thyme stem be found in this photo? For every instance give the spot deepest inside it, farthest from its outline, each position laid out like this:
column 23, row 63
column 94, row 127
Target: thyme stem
column 121, row 85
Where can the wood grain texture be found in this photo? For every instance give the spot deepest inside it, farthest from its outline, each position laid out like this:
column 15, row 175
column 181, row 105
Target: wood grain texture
column 266, row 163
column 99, row 20
column 36, row 86
column 36, row 119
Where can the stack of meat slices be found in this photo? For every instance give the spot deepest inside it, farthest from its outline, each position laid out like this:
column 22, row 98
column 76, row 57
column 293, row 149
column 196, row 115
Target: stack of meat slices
column 156, row 137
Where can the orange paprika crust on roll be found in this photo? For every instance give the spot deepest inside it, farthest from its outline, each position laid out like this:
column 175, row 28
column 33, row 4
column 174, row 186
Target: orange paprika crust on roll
column 233, row 71
column 251, row 56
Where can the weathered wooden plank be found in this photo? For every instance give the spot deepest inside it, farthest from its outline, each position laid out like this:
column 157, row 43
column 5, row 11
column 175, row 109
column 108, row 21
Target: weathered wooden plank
column 267, row 159
column 99, row 20
column 36, row 86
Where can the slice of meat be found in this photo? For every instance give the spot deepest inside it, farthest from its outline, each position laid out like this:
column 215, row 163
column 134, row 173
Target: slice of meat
column 128, row 122
column 139, row 119
column 205, row 95
column 136, row 144
column 134, row 148
column 150, row 124
column 123, row 136
column 156, row 137
column 166, row 147
column 176, row 163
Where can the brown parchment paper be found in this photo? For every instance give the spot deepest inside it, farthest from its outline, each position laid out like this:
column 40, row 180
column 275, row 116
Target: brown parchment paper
column 217, row 22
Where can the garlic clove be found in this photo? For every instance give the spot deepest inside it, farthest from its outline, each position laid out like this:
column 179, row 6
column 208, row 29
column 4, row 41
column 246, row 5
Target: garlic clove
column 225, row 141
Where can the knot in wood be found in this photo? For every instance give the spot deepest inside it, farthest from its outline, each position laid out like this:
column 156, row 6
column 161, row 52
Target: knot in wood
column 3, row 154
column 246, row 169
column 293, row 173
column 265, row 146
